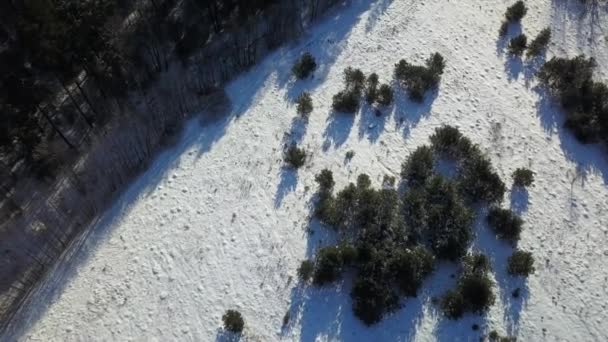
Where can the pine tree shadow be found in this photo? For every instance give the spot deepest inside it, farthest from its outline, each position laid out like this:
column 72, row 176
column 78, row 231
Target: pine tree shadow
column 227, row 336
column 519, row 199
column 287, row 184
column 338, row 129
column 372, row 121
column 407, row 112
column 514, row 66
column 513, row 29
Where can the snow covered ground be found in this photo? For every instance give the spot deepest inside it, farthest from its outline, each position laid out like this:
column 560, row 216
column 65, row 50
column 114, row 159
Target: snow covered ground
column 218, row 223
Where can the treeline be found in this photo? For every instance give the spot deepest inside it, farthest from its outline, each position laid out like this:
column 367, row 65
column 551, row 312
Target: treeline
column 89, row 92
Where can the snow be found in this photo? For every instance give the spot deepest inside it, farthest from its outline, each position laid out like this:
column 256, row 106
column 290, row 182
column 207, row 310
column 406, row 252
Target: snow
column 218, row 223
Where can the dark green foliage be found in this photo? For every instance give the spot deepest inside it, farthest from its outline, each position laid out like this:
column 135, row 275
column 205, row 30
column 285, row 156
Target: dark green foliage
column 233, row 321
column 518, row 45
column 371, row 88
column 585, row 100
column 446, row 140
column 506, row 224
column 354, row 79
column 521, row 263
column 372, row 298
column 493, row 335
column 304, row 66
column 306, row 270
column 448, row 219
column 304, row 102
column 385, row 95
column 538, row 45
column 419, row 79
column 295, row 156
column 331, row 261
column 474, row 291
column 452, row 304
column 350, row 154
column 325, row 179
column 410, row 267
column 516, row 11
column 346, row 101
column 418, row 167
column 479, row 182
column 523, row 177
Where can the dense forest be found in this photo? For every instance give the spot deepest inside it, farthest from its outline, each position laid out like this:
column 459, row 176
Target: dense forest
column 91, row 90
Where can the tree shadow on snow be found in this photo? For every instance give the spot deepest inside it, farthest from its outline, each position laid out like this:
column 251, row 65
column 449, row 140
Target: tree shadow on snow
column 408, row 112
column 588, row 18
column 513, row 30
column 499, row 252
column 227, row 336
column 338, row 129
column 519, row 199
column 372, row 121
column 514, row 66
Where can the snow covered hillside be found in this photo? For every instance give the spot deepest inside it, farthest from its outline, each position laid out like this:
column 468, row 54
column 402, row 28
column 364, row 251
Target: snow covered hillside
column 217, row 222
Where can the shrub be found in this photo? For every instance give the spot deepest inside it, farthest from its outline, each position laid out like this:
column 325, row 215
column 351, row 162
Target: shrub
column 453, row 305
column 504, row 29
column 584, row 100
column 506, row 224
column 372, row 299
column 350, row 154
column 304, row 102
column 385, row 95
column 233, row 321
column 518, row 44
column 305, row 270
column 448, row 220
column 325, row 179
column 516, row 11
column 521, row 263
column 354, row 79
column 538, row 45
column 523, row 177
column 371, row 89
column 331, row 262
column 304, row 66
column 419, row 79
column 446, row 139
column 493, row 335
column 346, row 101
column 474, row 291
column 295, row 157
column 418, row 167
column 410, row 267
column 479, row 182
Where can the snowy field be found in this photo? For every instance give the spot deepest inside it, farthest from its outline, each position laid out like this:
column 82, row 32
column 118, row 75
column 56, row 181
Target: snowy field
column 218, row 223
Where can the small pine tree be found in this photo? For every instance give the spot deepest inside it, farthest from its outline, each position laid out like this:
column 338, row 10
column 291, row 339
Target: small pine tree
column 325, row 179
column 518, row 45
column 523, row 177
column 371, row 89
column 521, row 263
column 354, row 79
column 505, row 223
column 233, row 321
column 385, row 95
column 304, row 66
column 346, row 101
column 295, row 157
column 304, row 102
column 516, row 11
column 306, row 270
column 418, row 167
column 538, row 45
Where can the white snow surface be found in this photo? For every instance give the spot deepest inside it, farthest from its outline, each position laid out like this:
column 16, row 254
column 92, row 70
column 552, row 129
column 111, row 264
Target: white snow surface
column 218, row 222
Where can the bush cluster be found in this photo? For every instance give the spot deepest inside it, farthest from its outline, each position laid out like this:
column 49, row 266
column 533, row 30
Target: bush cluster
column 376, row 93
column 347, row 100
column 523, row 177
column 521, row 263
column 505, row 223
column 518, row 45
column 391, row 241
column 584, row 100
column 304, row 104
column 539, row 44
column 233, row 321
column 477, row 179
column 419, row 79
column 304, row 66
column 305, row 270
column 295, row 156
column 474, row 292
